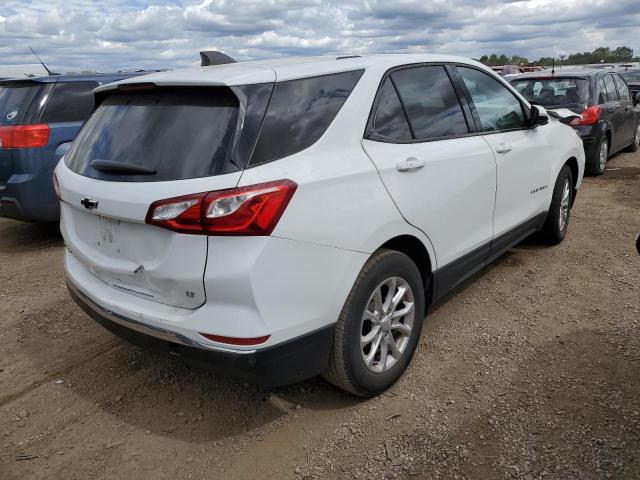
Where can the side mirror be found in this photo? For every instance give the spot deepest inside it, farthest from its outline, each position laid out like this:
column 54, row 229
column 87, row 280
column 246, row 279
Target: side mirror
column 636, row 99
column 536, row 117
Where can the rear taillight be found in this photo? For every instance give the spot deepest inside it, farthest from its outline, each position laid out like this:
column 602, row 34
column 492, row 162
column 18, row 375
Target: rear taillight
column 588, row 116
column 24, row 136
column 56, row 186
column 252, row 210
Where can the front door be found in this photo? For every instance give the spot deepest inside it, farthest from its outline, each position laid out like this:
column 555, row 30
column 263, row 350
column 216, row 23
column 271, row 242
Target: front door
column 522, row 154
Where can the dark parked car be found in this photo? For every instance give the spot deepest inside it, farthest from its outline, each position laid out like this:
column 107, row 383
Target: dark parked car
column 608, row 117
column 39, row 118
column 632, row 77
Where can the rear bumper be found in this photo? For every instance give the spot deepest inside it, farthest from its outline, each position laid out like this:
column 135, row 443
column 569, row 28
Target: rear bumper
column 282, row 364
column 29, row 197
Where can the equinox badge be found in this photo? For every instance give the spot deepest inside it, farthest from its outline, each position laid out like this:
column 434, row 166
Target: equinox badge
column 88, row 203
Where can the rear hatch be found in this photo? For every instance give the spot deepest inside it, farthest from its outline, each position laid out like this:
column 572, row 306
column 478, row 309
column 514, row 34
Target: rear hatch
column 555, row 92
column 139, row 147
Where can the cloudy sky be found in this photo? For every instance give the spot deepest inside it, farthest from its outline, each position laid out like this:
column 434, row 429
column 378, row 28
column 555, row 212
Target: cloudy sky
column 117, row 34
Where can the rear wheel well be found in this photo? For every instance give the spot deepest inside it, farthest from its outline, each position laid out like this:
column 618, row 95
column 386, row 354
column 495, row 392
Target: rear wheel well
column 417, row 252
column 575, row 171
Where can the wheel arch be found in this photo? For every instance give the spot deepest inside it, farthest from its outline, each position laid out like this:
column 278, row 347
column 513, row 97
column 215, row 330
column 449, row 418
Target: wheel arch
column 416, row 250
column 572, row 163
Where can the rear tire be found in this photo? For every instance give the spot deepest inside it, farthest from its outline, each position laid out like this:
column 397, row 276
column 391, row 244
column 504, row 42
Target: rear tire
column 385, row 306
column 597, row 165
column 555, row 227
column 635, row 145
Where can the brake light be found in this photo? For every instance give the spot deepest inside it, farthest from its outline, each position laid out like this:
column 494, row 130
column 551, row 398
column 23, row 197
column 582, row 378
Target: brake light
column 56, row 186
column 235, row 340
column 253, row 210
column 24, row 136
column 588, row 116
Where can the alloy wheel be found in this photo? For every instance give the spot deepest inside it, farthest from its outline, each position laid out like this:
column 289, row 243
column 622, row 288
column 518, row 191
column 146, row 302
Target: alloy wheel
column 564, row 205
column 387, row 323
column 604, row 154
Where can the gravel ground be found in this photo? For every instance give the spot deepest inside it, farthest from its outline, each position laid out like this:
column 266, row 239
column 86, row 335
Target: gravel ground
column 530, row 370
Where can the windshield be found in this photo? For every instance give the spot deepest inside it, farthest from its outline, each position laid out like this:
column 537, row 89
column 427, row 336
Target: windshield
column 17, row 104
column 177, row 134
column 631, row 76
column 554, row 92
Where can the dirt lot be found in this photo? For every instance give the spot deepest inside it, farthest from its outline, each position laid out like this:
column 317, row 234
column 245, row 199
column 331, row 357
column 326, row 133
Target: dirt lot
column 531, row 370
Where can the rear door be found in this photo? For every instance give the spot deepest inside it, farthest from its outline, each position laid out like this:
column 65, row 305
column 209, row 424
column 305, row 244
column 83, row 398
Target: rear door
column 442, row 178
column 615, row 113
column 522, row 154
column 629, row 126
column 180, row 140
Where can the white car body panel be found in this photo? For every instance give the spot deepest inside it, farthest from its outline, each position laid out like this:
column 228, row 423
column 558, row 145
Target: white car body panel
column 451, row 199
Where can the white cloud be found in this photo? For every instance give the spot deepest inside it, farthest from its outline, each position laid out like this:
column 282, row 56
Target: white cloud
column 107, row 35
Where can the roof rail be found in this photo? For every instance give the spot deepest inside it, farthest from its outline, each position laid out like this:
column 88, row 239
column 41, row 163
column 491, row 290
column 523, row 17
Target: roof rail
column 344, row 57
column 213, row 57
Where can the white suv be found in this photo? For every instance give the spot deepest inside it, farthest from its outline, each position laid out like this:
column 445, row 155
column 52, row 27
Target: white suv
column 282, row 219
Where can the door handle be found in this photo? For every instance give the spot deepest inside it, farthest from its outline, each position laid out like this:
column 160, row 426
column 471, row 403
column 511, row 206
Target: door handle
column 411, row 163
column 503, row 148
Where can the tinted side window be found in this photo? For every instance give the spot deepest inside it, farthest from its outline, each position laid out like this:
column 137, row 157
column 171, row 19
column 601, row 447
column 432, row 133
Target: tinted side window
column 69, row 102
column 623, row 90
column 603, row 97
column 389, row 120
column 497, row 107
column 430, row 101
column 19, row 103
column 299, row 113
column 611, row 88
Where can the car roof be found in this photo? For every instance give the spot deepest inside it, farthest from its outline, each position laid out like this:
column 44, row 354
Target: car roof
column 562, row 73
column 283, row 69
column 79, row 77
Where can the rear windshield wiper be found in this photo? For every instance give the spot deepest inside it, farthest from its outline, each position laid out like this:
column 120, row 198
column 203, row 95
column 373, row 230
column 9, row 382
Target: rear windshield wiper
column 112, row 166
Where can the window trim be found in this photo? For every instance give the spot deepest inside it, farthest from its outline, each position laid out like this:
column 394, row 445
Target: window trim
column 464, row 98
column 526, row 111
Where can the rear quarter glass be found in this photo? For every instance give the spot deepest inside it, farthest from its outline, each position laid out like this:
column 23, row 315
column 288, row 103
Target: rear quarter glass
column 299, row 112
column 179, row 133
column 20, row 104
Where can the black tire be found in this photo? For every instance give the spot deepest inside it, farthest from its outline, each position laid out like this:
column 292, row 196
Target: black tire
column 635, row 144
column 554, row 231
column 594, row 166
column 347, row 369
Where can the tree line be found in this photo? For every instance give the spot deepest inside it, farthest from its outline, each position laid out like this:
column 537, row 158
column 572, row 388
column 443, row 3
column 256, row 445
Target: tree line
column 599, row 55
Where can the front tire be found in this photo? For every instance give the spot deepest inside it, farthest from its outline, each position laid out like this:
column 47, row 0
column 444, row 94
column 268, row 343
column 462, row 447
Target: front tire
column 555, row 227
column 379, row 326
column 597, row 165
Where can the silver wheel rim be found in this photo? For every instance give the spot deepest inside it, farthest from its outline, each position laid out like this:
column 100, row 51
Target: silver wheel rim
column 604, row 153
column 564, row 205
column 387, row 323
column 636, row 140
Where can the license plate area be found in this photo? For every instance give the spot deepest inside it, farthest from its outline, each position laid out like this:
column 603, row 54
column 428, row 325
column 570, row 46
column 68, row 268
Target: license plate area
column 108, row 233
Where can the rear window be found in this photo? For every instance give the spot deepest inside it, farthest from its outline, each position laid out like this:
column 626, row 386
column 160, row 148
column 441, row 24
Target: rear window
column 19, row 104
column 178, row 133
column 299, row 113
column 69, row 102
column 554, row 92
